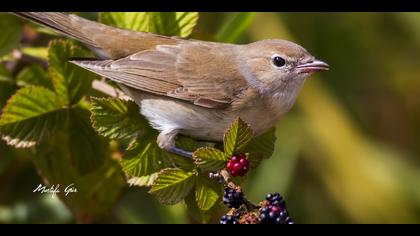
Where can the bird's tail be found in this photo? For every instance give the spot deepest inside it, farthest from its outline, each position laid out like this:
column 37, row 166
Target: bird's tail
column 106, row 41
column 68, row 25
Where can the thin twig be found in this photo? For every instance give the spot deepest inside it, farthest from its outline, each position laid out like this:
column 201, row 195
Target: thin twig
column 107, row 89
column 19, row 55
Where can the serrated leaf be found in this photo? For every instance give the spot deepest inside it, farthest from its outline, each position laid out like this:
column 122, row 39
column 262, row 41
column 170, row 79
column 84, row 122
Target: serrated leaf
column 174, row 23
column 198, row 214
column 71, row 82
column 210, row 159
column 206, row 194
column 184, row 163
column 143, row 157
column 171, row 160
column 138, row 21
column 166, row 23
column 143, row 181
column 237, row 137
column 118, row 119
column 11, row 29
column 173, row 185
column 34, row 75
column 40, row 52
column 30, row 116
column 187, row 143
column 86, row 148
column 97, row 191
column 261, row 147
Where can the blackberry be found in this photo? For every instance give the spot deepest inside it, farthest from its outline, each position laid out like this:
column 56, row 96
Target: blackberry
column 233, row 198
column 289, row 221
column 238, row 165
column 229, row 220
column 275, row 199
column 274, row 211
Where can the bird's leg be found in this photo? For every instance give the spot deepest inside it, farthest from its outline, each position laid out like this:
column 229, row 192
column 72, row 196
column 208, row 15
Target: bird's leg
column 166, row 141
column 181, row 152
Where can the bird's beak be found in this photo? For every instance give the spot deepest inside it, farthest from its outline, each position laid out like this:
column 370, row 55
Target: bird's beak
column 313, row 66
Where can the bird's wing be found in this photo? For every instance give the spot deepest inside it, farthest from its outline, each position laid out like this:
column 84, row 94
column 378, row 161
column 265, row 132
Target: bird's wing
column 198, row 72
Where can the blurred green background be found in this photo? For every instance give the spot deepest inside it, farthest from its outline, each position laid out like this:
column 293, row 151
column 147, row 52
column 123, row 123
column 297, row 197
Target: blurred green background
column 348, row 152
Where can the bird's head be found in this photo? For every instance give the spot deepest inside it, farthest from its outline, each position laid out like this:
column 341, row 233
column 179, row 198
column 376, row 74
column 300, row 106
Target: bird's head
column 276, row 65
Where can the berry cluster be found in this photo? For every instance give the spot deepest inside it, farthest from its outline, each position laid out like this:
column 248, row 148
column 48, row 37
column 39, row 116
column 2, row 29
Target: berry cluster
column 270, row 211
column 229, row 220
column 238, row 165
column 233, row 198
column 274, row 211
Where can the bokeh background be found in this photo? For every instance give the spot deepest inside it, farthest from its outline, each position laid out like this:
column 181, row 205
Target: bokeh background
column 348, row 152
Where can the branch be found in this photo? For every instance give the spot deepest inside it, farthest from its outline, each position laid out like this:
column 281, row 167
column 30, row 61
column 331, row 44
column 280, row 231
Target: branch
column 107, row 89
column 19, row 55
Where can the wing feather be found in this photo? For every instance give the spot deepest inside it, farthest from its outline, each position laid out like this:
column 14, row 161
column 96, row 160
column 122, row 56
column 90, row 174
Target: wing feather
column 198, row 72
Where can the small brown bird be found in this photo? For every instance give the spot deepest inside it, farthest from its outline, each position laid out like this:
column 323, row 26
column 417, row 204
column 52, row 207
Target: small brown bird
column 192, row 87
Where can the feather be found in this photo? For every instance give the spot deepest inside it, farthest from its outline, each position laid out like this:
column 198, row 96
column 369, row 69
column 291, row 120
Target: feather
column 188, row 71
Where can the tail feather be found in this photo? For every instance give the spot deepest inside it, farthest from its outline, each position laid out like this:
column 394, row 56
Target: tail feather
column 105, row 41
column 63, row 24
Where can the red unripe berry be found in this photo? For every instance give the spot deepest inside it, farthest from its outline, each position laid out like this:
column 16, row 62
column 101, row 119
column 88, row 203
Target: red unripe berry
column 238, row 165
column 229, row 166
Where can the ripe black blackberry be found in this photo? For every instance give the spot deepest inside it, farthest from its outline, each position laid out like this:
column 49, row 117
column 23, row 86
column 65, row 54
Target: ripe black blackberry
column 274, row 211
column 275, row 199
column 233, row 198
column 229, row 220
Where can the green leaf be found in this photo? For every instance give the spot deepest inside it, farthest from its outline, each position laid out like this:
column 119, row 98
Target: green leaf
column 34, row 75
column 166, row 23
column 200, row 215
column 118, row 119
column 5, row 75
column 40, row 52
column 77, row 155
column 102, row 187
column 7, row 86
column 138, row 21
column 187, row 143
column 210, row 159
column 144, row 156
column 97, row 191
column 237, row 137
column 85, row 147
column 30, row 116
column 206, row 193
column 143, row 181
column 235, row 26
column 261, row 147
column 11, row 29
column 173, row 185
column 71, row 82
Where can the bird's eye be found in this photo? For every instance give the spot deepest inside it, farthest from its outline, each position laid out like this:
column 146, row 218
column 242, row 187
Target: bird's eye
column 278, row 61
